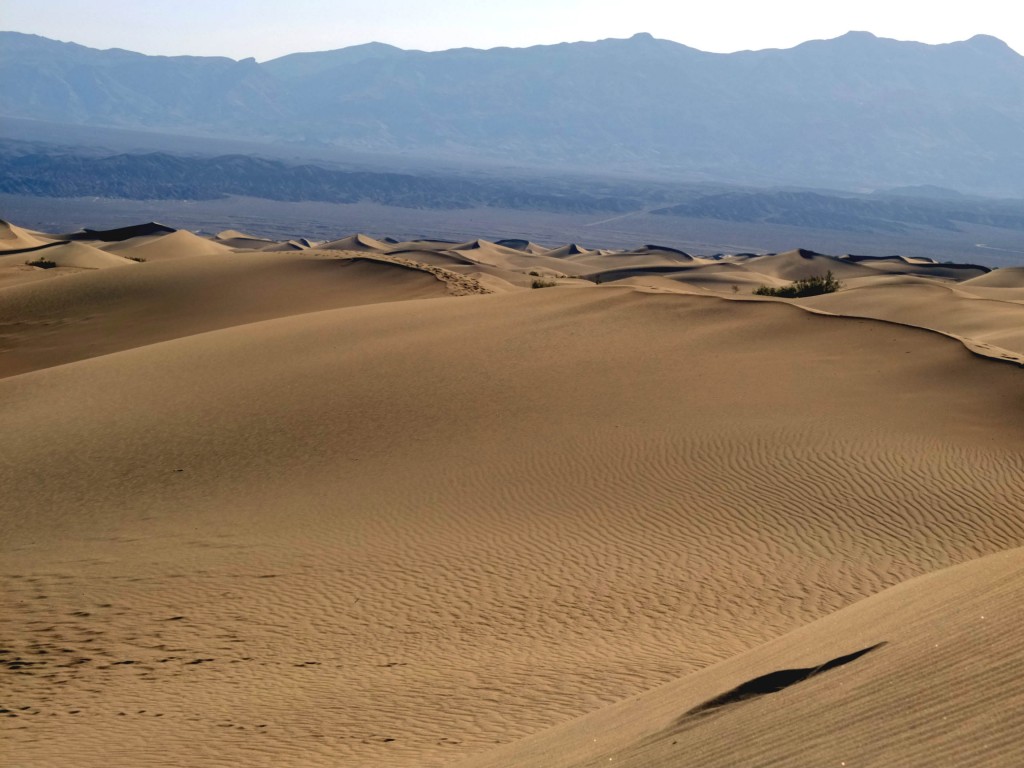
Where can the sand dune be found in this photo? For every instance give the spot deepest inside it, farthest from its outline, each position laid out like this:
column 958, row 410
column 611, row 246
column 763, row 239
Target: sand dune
column 316, row 508
column 120, row 234
column 564, row 251
column 179, row 244
column 800, row 264
column 15, row 238
column 288, row 246
column 15, row 267
column 81, row 256
column 901, row 265
column 936, row 652
column 985, row 323
column 1008, row 277
column 489, row 254
column 981, row 308
column 523, row 245
column 232, row 238
column 486, row 246
column 357, row 242
column 643, row 258
column 445, row 259
column 243, row 242
column 61, row 321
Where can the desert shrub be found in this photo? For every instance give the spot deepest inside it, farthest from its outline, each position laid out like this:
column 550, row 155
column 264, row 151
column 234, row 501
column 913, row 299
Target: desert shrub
column 809, row 286
column 42, row 263
column 534, row 273
column 543, row 283
column 139, row 259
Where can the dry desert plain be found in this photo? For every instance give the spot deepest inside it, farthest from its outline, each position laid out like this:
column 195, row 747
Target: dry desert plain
column 365, row 503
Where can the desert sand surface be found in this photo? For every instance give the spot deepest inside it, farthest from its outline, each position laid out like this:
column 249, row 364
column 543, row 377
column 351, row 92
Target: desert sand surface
column 363, row 506
column 906, row 677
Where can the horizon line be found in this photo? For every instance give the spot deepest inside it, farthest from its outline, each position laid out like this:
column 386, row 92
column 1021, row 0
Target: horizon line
column 640, row 35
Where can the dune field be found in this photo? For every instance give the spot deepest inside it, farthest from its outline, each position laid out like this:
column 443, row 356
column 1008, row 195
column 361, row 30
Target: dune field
column 368, row 503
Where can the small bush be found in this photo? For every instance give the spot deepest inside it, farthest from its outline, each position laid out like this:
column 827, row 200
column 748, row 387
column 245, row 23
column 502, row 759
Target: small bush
column 42, row 263
column 810, row 286
column 543, row 283
column 139, row 259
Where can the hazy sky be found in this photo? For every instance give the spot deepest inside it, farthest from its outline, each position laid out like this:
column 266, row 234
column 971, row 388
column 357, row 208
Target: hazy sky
column 269, row 28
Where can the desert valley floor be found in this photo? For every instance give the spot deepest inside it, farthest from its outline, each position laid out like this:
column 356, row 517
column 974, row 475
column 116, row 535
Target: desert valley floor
column 366, row 503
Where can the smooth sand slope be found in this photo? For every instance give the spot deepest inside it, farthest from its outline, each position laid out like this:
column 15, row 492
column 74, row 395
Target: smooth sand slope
column 400, row 533
column 15, row 238
column 163, row 246
column 925, row 673
column 982, row 309
column 59, row 321
column 312, row 509
column 990, row 325
column 59, row 259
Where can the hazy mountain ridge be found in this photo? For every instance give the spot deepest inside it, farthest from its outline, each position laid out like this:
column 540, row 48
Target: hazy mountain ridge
column 857, row 111
column 161, row 176
column 852, row 214
column 36, row 170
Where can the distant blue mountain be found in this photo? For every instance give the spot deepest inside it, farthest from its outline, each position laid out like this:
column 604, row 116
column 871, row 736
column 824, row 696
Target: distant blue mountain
column 856, row 112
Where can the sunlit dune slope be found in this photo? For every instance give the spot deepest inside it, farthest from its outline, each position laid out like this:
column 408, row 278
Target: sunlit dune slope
column 403, row 533
column 925, row 673
column 15, row 238
column 173, row 245
column 990, row 325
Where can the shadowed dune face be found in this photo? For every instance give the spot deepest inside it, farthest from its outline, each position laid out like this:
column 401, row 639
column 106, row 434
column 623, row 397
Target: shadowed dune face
column 763, row 685
column 279, row 508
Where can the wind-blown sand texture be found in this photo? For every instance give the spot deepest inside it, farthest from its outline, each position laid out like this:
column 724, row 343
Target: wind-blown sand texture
column 359, row 508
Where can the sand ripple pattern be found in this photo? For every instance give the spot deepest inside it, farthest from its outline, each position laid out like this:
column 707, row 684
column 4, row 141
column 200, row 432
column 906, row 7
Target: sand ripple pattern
column 373, row 553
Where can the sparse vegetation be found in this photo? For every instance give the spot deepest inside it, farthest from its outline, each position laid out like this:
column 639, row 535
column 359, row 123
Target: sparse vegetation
column 139, row 259
column 42, row 263
column 809, row 286
column 541, row 283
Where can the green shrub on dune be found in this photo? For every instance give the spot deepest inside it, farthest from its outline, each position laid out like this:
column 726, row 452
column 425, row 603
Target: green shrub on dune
column 809, row 286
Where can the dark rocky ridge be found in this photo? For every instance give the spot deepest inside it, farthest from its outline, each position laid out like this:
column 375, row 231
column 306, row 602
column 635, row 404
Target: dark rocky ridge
column 35, row 170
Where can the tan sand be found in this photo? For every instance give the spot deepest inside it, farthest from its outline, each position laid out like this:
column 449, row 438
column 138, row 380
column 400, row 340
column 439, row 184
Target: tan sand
column 487, row 254
column 446, row 259
column 61, row 321
column 800, row 264
column 986, row 323
column 174, row 245
column 901, row 265
column 74, row 254
column 15, row 238
column 240, row 241
column 357, row 242
column 983, row 310
column 282, row 509
column 938, row 651
column 288, row 246
column 54, row 260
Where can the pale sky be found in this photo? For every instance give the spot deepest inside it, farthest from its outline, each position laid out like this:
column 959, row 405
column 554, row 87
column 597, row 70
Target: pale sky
column 266, row 29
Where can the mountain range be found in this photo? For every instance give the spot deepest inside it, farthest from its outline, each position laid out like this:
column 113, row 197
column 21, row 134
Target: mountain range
column 26, row 170
column 857, row 112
